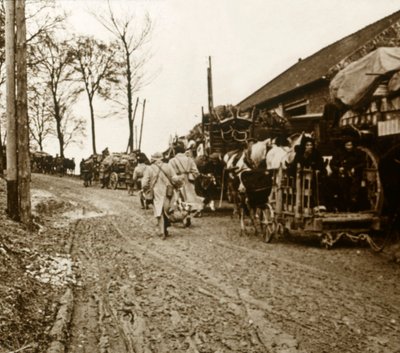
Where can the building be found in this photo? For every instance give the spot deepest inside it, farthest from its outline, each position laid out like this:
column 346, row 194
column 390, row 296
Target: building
column 301, row 93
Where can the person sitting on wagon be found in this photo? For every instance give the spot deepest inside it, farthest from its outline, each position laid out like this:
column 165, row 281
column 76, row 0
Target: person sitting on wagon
column 307, row 156
column 347, row 172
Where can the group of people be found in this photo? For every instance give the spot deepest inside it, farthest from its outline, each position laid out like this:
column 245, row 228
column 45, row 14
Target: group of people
column 343, row 189
column 169, row 186
column 172, row 184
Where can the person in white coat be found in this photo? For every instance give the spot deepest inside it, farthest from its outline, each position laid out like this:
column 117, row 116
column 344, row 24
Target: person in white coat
column 159, row 177
column 185, row 166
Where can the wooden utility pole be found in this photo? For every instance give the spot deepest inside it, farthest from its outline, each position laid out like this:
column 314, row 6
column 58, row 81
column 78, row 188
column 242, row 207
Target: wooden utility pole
column 23, row 166
column 210, row 88
column 131, row 131
column 136, row 138
column 141, row 125
column 18, row 163
column 1, row 156
column 202, row 121
column 12, row 183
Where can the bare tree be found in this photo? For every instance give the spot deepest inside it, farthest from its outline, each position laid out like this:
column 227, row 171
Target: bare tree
column 41, row 121
column 98, row 70
column 42, row 16
column 54, row 65
column 73, row 129
column 132, row 39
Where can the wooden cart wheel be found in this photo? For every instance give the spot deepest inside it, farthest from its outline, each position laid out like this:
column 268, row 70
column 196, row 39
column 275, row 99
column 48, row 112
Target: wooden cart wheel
column 113, row 180
column 378, row 242
column 372, row 180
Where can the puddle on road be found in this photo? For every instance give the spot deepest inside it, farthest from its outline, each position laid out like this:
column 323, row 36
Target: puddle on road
column 83, row 214
column 38, row 196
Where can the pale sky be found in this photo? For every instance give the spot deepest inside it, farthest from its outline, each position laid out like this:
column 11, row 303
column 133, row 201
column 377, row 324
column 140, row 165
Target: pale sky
column 250, row 42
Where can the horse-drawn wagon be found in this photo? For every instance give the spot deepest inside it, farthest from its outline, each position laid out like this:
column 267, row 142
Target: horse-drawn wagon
column 366, row 104
column 114, row 166
column 365, row 107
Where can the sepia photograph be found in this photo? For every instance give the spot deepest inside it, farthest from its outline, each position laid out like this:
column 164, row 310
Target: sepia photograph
column 199, row 176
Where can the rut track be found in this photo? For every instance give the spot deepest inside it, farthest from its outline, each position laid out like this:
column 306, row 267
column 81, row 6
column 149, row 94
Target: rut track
column 289, row 290
column 208, row 290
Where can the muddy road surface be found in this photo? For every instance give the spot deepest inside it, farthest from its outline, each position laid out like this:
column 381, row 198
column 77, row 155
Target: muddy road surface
column 207, row 289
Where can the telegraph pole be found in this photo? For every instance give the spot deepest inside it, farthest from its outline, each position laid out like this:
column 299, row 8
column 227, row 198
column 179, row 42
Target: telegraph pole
column 210, row 87
column 18, row 163
column 12, row 182
column 131, row 130
column 141, row 125
column 24, row 168
column 1, row 156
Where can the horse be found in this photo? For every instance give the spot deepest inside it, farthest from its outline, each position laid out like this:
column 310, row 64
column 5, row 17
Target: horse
column 69, row 165
column 249, row 186
column 280, row 156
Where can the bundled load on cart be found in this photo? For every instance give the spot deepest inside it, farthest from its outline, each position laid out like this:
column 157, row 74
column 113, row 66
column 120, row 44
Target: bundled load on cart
column 113, row 168
column 41, row 162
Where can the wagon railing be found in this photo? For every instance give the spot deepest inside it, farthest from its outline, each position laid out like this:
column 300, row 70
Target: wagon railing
column 295, row 199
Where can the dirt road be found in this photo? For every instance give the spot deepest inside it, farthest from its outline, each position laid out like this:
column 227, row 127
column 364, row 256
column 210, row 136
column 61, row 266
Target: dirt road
column 206, row 289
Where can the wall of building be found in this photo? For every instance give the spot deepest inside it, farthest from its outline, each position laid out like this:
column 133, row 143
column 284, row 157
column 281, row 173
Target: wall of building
column 317, row 94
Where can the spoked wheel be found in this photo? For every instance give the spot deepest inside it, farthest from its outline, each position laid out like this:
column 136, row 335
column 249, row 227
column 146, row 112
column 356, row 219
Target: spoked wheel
column 113, row 180
column 268, row 224
column 379, row 240
column 372, row 180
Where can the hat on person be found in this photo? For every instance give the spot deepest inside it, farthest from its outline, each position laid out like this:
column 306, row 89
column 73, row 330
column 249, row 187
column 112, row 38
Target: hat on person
column 156, row 157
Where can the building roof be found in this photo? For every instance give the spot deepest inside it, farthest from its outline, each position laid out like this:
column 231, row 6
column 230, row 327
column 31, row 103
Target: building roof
column 316, row 66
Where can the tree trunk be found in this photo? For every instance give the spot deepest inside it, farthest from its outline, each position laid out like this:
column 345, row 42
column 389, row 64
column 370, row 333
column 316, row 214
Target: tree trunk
column 12, row 185
column 131, row 118
column 93, row 125
column 24, row 170
column 57, row 116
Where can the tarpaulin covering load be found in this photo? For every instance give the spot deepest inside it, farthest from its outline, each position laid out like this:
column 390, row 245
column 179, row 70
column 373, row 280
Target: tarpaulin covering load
column 358, row 80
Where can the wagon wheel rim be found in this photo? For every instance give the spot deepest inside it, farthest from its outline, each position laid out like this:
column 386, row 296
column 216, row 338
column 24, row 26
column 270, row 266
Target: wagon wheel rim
column 113, row 180
column 374, row 186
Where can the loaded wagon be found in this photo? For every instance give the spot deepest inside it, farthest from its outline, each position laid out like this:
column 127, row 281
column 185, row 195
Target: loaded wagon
column 114, row 166
column 366, row 94
column 366, row 106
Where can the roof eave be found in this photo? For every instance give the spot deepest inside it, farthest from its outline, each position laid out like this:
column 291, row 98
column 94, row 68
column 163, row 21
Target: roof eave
column 320, row 79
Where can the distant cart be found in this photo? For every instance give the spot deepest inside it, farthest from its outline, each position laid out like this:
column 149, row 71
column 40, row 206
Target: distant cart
column 115, row 165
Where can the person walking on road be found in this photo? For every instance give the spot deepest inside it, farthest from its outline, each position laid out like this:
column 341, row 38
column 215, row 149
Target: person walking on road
column 186, row 167
column 129, row 171
column 146, row 198
column 159, row 177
